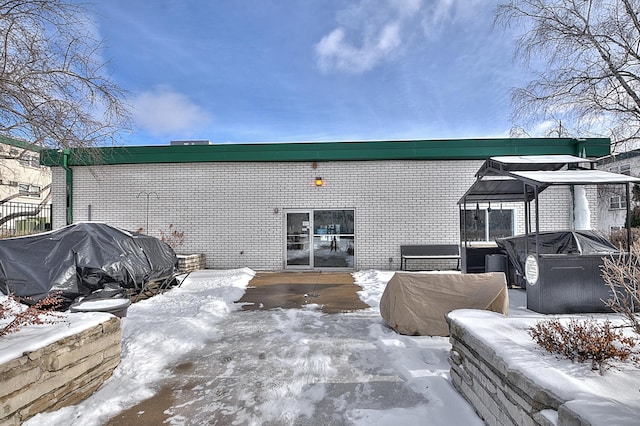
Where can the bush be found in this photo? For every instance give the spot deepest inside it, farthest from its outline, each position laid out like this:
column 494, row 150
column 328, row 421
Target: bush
column 173, row 237
column 619, row 237
column 622, row 273
column 41, row 312
column 586, row 340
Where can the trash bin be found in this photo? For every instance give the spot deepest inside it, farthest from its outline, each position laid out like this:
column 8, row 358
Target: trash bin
column 495, row 263
column 116, row 306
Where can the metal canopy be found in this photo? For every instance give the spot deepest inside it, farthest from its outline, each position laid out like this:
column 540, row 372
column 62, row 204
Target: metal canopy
column 499, row 190
column 523, row 178
column 505, row 164
column 519, row 178
column 573, row 177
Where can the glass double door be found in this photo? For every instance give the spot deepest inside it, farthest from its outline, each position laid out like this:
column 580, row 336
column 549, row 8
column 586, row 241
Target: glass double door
column 320, row 239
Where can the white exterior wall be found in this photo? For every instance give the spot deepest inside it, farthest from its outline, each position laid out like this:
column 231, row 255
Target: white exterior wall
column 234, row 212
column 58, row 195
column 12, row 170
column 556, row 208
column 608, row 217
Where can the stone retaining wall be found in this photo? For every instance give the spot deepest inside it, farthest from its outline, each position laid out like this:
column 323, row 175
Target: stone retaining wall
column 501, row 395
column 60, row 374
column 191, row 262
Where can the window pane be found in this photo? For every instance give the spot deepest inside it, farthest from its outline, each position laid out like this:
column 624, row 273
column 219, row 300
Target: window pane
column 333, row 222
column 500, row 224
column 617, row 202
column 475, row 224
column 298, row 250
column 333, row 251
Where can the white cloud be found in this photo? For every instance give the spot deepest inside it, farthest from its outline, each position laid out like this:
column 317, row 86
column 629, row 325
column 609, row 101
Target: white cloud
column 406, row 7
column 377, row 30
column 334, row 52
column 372, row 32
column 165, row 111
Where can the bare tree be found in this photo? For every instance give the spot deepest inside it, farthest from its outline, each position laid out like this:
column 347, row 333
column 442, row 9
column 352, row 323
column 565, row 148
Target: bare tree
column 591, row 76
column 54, row 89
column 622, row 274
column 54, row 92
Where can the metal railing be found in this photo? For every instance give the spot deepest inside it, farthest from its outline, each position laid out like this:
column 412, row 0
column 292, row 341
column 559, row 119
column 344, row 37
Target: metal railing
column 18, row 219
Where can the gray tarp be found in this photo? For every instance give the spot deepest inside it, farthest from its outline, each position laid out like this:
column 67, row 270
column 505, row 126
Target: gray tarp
column 81, row 258
column 556, row 242
column 416, row 303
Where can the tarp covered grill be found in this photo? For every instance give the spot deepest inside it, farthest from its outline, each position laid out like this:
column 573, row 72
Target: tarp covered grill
column 556, row 242
column 81, row 258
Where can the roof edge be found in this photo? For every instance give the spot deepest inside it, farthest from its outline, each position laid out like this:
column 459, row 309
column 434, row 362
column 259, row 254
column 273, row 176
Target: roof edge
column 421, row 149
column 19, row 143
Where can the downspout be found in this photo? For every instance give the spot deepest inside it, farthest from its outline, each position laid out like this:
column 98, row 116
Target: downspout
column 581, row 149
column 68, row 186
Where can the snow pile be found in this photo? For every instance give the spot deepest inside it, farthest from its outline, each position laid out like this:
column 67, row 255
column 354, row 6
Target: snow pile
column 227, row 366
column 157, row 332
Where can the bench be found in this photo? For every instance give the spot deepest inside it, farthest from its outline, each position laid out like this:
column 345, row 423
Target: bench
column 429, row 251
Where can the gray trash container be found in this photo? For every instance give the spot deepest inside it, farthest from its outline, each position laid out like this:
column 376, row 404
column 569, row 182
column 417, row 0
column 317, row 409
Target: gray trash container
column 495, row 263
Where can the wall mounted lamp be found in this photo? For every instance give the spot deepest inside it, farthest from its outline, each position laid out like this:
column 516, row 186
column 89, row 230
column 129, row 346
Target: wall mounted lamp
column 319, row 181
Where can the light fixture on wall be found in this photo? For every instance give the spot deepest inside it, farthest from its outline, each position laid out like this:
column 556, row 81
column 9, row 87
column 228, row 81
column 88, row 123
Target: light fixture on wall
column 319, row 181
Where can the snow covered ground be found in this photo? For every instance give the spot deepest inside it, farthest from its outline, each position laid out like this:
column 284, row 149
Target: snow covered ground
column 229, row 366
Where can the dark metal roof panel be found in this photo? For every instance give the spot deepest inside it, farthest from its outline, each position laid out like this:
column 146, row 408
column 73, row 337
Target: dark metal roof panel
column 497, row 190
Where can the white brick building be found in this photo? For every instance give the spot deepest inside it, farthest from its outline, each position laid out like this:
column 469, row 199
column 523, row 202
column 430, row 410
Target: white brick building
column 258, row 205
column 24, row 188
column 612, row 199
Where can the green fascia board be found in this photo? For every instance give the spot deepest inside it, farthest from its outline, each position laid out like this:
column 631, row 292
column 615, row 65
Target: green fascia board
column 19, row 144
column 450, row 149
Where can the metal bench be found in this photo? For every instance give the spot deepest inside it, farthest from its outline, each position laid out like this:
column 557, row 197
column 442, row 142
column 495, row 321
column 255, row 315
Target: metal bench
column 429, row 251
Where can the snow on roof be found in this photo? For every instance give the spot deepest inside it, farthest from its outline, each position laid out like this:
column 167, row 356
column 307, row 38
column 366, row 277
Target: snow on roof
column 573, row 177
column 541, row 159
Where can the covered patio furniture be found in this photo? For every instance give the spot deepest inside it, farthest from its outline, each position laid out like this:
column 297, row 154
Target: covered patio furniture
column 416, row 303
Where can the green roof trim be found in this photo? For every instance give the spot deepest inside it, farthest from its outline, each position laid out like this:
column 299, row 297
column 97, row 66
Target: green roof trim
column 19, row 144
column 446, row 149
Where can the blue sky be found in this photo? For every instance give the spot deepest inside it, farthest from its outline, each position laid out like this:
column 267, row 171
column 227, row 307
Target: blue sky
column 309, row 70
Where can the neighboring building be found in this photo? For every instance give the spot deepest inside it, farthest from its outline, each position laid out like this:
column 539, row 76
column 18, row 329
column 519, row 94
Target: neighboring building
column 612, row 200
column 24, row 189
column 336, row 205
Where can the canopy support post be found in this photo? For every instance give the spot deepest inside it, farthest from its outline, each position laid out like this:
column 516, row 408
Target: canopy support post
column 628, row 224
column 535, row 191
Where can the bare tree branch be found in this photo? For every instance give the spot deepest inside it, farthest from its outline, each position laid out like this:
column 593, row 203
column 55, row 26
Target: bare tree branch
column 590, row 55
column 54, row 89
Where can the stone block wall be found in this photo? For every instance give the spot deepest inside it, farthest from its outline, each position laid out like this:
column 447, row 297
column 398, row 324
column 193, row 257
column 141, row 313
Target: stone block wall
column 191, row 262
column 501, row 395
column 60, row 374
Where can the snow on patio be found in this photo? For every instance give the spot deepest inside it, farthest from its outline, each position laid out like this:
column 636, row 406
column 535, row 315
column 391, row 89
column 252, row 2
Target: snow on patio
column 223, row 365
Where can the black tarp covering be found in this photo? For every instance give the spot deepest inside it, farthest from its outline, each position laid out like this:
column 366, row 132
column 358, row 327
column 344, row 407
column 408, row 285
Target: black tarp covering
column 557, row 242
column 80, row 259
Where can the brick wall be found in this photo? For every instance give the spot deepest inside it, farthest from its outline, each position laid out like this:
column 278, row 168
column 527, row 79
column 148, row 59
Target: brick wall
column 234, row 212
column 60, row 374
